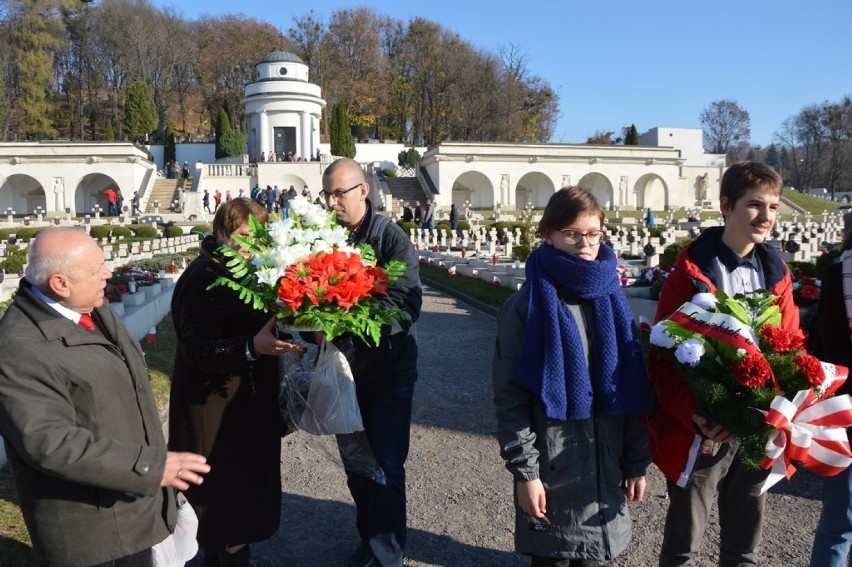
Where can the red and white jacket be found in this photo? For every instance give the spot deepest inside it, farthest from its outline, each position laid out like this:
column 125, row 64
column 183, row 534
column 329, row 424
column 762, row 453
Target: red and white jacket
column 675, row 445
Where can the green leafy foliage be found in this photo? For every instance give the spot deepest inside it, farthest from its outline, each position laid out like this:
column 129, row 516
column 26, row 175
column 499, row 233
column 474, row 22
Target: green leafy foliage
column 140, row 112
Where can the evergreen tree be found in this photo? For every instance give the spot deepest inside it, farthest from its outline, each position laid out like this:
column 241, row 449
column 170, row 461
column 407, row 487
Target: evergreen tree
column 632, row 138
column 752, row 155
column 140, row 112
column 772, row 158
column 342, row 143
column 35, row 37
column 220, row 128
column 109, row 135
column 233, row 143
column 169, row 150
column 229, row 142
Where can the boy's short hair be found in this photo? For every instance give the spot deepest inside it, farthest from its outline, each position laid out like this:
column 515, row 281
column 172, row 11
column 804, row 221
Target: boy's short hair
column 745, row 175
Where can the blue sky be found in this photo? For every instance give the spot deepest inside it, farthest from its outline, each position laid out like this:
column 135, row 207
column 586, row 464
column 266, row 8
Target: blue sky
column 643, row 62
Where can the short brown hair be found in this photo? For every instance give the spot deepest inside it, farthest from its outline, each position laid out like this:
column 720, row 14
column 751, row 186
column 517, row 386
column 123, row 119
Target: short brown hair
column 231, row 216
column 565, row 206
column 745, row 175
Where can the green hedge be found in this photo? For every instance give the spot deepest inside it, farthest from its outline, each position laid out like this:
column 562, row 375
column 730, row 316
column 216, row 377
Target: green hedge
column 172, row 231
column 121, row 231
column 27, row 233
column 14, row 262
column 201, row 229
column 4, row 235
column 100, row 231
column 144, row 230
column 407, row 226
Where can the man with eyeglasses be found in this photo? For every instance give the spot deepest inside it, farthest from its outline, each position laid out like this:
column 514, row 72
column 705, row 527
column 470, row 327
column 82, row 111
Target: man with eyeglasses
column 384, row 375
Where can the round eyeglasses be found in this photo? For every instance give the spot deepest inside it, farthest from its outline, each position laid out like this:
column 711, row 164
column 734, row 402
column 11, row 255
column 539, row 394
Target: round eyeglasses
column 338, row 193
column 573, row 237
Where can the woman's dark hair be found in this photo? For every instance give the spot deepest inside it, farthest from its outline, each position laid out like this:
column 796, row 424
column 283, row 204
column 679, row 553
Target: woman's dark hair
column 565, row 206
column 231, row 215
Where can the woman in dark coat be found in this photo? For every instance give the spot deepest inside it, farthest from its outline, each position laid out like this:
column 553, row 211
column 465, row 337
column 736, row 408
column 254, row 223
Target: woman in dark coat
column 224, row 398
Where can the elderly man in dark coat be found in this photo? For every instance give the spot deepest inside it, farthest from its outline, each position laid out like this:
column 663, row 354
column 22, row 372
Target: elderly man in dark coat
column 78, row 417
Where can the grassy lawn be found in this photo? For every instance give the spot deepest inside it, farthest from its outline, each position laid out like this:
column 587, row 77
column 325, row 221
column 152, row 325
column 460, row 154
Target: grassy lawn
column 15, row 545
column 478, row 292
column 814, row 205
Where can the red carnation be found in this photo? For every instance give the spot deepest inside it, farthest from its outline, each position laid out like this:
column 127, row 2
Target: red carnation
column 780, row 340
column 810, row 367
column 809, row 292
column 752, row 371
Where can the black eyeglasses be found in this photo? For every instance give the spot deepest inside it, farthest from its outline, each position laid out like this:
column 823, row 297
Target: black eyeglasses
column 337, row 194
column 574, row 237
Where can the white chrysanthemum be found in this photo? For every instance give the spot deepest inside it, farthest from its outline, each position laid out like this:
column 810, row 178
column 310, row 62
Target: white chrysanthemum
column 689, row 352
column 262, row 259
column 706, row 301
column 299, row 205
column 334, row 236
column 285, row 256
column 281, row 231
column 741, row 353
column 269, row 274
column 660, row 337
column 316, row 216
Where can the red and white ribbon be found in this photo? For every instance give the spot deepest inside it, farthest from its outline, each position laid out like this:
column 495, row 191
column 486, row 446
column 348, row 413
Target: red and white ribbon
column 808, row 431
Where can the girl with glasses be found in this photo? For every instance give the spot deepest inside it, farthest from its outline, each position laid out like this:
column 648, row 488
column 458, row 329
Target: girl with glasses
column 571, row 390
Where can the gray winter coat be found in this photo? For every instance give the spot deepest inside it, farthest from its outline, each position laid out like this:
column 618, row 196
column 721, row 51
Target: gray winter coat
column 582, row 463
column 83, row 435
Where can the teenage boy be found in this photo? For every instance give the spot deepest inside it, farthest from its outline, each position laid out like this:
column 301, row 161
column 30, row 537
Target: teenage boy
column 701, row 460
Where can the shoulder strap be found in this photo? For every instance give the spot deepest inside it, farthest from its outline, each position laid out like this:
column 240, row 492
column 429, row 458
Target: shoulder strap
column 377, row 229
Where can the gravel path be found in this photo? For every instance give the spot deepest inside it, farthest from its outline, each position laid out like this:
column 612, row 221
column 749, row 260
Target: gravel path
column 459, row 494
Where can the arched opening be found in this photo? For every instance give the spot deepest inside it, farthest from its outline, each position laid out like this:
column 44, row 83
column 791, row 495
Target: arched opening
column 474, row 189
column 600, row 186
column 651, row 192
column 533, row 189
column 90, row 192
column 22, row 194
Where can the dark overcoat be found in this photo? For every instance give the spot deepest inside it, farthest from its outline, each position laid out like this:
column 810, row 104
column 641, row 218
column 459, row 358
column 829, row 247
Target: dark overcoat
column 225, row 407
column 83, row 435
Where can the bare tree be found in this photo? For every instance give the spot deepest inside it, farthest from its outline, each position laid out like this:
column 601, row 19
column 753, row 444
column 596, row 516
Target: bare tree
column 726, row 124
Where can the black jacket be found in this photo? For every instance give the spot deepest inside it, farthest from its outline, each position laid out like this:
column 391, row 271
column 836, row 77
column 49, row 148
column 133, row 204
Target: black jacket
column 394, row 362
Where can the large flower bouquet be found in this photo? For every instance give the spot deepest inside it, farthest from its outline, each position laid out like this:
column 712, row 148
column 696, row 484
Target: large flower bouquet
column 758, row 382
column 303, row 270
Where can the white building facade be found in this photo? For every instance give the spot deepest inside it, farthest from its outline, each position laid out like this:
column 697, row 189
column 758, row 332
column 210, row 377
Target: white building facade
column 512, row 176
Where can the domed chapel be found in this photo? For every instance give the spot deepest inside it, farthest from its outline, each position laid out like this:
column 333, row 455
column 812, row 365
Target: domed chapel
column 282, row 109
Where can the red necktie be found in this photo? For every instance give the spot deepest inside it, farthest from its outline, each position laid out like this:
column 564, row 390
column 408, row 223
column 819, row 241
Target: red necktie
column 87, row 322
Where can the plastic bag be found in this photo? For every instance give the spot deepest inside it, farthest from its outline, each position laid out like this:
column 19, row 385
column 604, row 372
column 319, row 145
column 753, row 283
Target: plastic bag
column 296, row 372
column 332, row 406
column 181, row 546
column 358, row 458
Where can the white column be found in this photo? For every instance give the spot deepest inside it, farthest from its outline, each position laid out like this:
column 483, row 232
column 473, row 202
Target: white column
column 263, row 133
column 305, row 135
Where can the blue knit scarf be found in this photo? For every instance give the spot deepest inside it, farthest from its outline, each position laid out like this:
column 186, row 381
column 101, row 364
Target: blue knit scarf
column 553, row 364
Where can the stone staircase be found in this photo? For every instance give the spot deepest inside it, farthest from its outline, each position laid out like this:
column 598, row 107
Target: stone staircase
column 788, row 207
column 166, row 192
column 406, row 189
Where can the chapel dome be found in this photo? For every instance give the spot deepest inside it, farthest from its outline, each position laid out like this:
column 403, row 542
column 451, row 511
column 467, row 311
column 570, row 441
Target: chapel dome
column 282, row 57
